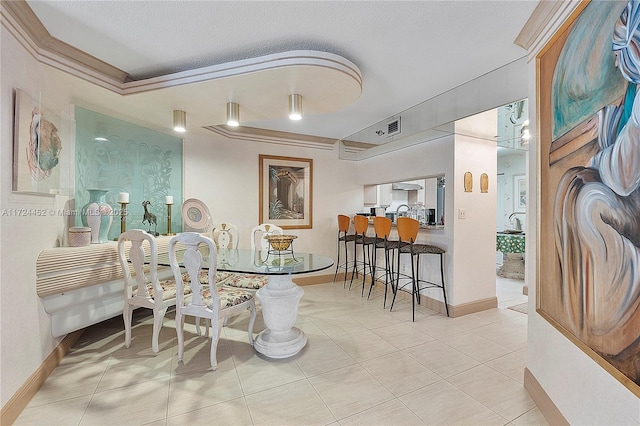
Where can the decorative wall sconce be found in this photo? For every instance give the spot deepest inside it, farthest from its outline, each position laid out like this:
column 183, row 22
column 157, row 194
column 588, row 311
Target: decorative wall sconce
column 295, row 107
column 484, row 183
column 233, row 114
column 468, row 182
column 179, row 121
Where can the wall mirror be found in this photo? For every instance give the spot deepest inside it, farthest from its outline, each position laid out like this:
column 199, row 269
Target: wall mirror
column 421, row 199
column 438, row 117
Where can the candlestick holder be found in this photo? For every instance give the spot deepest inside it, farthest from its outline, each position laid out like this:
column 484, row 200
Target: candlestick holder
column 169, row 233
column 123, row 218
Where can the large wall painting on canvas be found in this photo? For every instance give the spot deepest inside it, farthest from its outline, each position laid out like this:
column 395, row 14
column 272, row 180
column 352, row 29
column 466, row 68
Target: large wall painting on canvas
column 589, row 268
column 119, row 156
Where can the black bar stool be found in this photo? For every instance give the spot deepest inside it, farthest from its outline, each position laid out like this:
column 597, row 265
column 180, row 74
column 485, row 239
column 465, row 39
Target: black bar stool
column 408, row 233
column 361, row 224
column 382, row 226
column 345, row 238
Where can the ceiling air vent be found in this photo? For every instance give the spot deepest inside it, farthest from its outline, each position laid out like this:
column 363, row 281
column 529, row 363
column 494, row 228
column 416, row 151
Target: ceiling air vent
column 393, row 127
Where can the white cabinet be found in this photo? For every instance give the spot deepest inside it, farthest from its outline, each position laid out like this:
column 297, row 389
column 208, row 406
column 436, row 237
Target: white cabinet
column 377, row 195
column 385, row 196
column 430, row 193
column 370, row 195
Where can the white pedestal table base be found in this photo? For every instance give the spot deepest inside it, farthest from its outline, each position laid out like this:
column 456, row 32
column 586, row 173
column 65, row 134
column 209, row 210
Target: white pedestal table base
column 279, row 300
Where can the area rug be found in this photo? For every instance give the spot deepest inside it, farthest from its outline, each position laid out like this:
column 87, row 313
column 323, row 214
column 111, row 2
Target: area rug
column 522, row 308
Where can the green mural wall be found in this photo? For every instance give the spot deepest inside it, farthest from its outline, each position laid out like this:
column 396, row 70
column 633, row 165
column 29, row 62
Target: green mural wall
column 118, row 156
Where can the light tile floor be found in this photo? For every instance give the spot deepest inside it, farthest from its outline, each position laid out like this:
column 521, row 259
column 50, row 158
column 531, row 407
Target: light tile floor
column 509, row 292
column 363, row 365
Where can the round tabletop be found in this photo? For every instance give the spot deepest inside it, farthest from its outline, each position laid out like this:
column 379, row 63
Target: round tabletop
column 262, row 262
column 271, row 263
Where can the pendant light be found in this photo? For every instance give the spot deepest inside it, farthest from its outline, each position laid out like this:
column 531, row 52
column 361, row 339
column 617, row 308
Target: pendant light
column 101, row 133
column 233, row 114
column 179, row 121
column 295, row 107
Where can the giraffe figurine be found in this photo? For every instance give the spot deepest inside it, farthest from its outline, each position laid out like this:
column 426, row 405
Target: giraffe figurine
column 150, row 218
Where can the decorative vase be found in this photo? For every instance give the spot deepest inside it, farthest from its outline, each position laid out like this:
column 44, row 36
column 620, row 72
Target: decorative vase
column 97, row 215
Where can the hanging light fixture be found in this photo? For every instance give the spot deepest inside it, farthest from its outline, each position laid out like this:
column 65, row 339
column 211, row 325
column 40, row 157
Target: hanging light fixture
column 179, row 121
column 295, row 107
column 233, row 114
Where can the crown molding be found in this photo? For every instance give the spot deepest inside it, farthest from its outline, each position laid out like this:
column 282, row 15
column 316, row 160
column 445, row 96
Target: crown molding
column 272, row 136
column 23, row 24
column 538, row 20
column 294, row 58
column 546, row 19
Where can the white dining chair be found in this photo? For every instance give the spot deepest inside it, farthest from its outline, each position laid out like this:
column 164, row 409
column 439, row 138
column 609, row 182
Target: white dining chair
column 259, row 232
column 206, row 301
column 225, row 236
column 144, row 289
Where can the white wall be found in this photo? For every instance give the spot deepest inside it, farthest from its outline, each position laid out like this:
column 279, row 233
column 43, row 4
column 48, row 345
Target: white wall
column 221, row 172
column 474, row 237
column 582, row 390
column 26, row 338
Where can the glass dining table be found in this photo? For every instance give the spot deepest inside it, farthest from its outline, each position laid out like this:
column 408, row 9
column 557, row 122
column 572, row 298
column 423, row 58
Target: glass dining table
column 279, row 298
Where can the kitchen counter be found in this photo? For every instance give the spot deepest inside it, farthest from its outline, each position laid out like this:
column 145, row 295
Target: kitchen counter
column 427, row 227
column 393, row 226
column 431, row 226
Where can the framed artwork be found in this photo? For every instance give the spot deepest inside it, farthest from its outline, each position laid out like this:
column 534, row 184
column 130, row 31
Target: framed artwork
column 285, row 191
column 589, row 140
column 519, row 193
column 41, row 138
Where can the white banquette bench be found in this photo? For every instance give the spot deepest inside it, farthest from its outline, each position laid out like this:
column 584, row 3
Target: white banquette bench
column 81, row 286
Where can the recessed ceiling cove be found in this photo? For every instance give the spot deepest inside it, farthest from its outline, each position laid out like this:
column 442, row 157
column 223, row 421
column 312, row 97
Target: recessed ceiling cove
column 261, row 86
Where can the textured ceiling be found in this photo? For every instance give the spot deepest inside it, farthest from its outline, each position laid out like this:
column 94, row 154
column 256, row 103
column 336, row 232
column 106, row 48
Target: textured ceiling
column 407, row 52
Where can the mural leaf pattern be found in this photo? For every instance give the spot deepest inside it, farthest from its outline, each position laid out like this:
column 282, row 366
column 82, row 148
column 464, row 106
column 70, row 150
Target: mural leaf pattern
column 143, row 162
